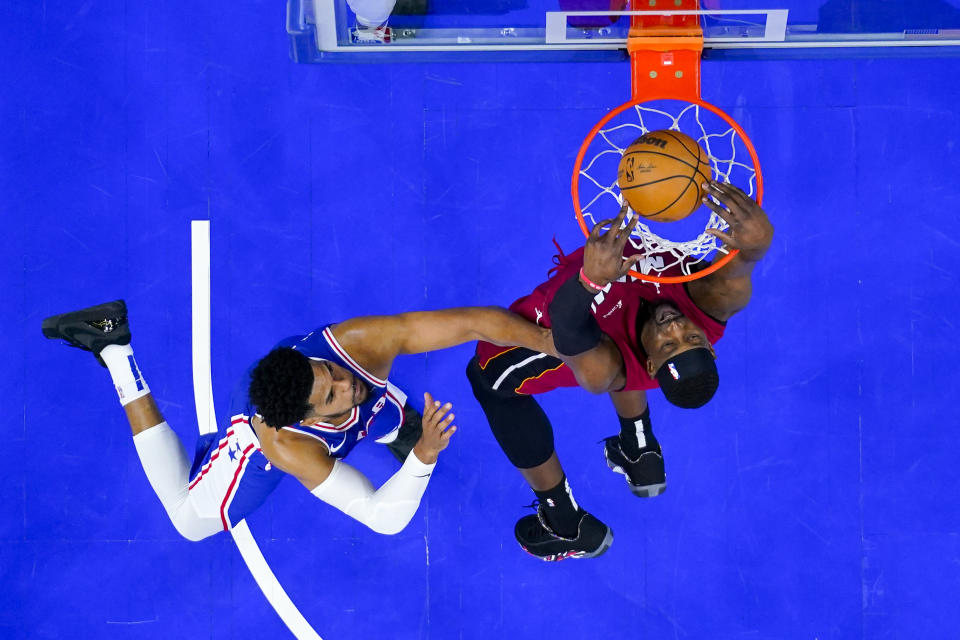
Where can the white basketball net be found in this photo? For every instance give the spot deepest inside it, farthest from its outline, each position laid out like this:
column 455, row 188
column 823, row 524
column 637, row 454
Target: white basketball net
column 600, row 197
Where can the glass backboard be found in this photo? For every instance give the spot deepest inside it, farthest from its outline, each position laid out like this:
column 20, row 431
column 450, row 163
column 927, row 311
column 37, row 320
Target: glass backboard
column 328, row 30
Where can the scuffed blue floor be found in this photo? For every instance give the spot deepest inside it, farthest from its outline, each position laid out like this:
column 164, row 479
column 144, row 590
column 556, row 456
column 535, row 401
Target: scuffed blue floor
column 815, row 497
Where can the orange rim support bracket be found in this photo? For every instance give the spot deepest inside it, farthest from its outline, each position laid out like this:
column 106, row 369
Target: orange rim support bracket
column 665, row 50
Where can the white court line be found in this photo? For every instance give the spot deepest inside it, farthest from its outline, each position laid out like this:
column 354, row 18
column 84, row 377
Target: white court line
column 203, row 398
column 200, row 292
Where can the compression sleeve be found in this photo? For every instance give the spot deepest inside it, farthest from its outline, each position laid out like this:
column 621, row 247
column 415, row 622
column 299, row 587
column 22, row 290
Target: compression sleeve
column 575, row 330
column 386, row 510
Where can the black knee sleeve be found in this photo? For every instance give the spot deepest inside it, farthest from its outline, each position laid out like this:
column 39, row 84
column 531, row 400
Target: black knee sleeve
column 517, row 421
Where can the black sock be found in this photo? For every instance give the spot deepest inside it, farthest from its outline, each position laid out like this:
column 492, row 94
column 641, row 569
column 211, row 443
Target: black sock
column 560, row 510
column 636, row 435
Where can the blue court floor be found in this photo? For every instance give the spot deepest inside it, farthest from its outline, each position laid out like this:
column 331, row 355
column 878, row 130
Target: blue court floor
column 815, row 497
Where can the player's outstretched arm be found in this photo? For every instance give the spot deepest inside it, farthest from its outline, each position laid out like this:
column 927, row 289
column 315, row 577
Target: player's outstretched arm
column 727, row 291
column 386, row 510
column 376, row 340
column 591, row 355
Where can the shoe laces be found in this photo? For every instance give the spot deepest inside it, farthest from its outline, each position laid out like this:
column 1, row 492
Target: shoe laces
column 541, row 523
column 614, row 441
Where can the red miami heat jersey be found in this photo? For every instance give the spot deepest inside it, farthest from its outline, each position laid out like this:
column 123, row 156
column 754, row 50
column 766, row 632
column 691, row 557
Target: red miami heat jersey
column 615, row 311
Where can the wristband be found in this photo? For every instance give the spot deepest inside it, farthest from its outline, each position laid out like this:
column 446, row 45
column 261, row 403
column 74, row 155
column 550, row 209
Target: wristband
column 590, row 283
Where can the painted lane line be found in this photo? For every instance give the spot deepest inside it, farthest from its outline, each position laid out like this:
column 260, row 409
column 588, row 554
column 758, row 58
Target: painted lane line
column 207, row 422
column 200, row 295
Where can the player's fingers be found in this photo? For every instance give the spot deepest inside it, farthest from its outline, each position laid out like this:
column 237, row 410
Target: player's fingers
column 434, row 412
column 630, row 263
column 625, row 234
column 720, row 210
column 725, row 238
column 740, row 193
column 428, row 406
column 441, row 411
column 616, row 230
column 597, row 228
column 442, row 440
column 621, row 215
column 731, row 196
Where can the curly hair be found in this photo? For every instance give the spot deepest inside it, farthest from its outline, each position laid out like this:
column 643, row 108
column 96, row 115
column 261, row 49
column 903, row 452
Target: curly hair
column 280, row 387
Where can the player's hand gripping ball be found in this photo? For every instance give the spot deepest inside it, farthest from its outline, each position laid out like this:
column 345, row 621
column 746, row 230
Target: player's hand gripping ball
column 750, row 230
column 603, row 260
column 662, row 175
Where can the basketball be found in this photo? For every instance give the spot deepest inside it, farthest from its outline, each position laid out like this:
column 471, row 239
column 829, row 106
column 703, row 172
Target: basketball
column 662, row 175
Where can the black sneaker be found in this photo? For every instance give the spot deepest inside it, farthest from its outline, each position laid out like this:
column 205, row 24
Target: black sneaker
column 536, row 538
column 645, row 475
column 91, row 329
column 409, row 434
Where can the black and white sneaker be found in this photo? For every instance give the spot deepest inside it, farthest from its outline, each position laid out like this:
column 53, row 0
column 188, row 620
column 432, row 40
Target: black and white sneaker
column 91, row 329
column 645, row 475
column 539, row 540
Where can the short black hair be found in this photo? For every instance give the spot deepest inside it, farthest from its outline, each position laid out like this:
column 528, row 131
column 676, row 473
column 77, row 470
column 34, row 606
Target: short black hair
column 689, row 379
column 280, row 387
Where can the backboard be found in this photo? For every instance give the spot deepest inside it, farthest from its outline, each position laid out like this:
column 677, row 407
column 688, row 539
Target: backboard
column 489, row 30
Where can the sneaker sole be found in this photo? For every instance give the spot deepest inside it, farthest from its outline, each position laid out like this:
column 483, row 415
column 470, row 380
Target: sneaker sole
column 50, row 326
column 577, row 555
column 639, row 490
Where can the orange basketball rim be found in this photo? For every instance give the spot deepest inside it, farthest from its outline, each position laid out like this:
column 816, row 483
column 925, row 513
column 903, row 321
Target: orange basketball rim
column 665, row 53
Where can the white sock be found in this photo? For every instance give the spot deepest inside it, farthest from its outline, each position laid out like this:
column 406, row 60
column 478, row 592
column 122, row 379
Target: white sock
column 127, row 379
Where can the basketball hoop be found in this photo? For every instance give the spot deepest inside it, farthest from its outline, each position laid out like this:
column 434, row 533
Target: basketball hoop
column 665, row 52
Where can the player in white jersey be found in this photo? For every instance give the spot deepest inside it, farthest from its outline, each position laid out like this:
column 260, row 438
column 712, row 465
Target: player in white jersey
column 310, row 400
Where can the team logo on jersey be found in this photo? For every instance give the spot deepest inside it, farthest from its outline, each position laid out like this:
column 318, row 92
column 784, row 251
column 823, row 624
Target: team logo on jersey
column 646, row 264
column 614, row 308
column 539, row 314
column 673, row 371
column 376, row 409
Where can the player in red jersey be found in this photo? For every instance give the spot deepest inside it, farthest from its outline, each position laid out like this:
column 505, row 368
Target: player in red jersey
column 618, row 335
